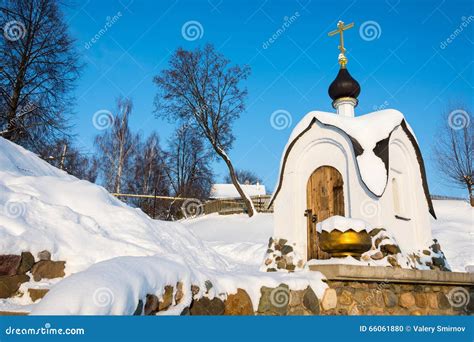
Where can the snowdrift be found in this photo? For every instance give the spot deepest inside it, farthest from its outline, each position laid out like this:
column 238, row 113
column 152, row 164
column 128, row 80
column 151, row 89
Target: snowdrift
column 42, row 207
column 115, row 255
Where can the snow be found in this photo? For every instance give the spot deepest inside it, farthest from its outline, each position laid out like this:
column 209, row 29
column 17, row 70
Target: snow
column 223, row 191
column 367, row 129
column 232, row 228
column 236, row 237
column 42, row 208
column 104, row 290
column 113, row 250
column 348, row 261
column 343, row 224
column 454, row 230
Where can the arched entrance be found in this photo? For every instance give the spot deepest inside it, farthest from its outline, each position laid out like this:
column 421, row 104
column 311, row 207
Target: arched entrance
column 324, row 198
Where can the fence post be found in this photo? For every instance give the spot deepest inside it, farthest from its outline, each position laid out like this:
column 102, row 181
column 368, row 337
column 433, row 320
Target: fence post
column 154, row 205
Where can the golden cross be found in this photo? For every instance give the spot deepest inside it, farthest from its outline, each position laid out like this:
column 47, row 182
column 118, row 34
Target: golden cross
column 340, row 29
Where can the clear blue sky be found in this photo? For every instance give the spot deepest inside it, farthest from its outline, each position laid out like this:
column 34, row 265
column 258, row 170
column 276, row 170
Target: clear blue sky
column 403, row 67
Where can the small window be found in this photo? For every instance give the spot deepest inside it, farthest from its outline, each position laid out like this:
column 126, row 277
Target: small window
column 398, row 205
column 396, row 197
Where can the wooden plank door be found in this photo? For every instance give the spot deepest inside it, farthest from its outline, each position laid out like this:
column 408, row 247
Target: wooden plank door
column 325, row 198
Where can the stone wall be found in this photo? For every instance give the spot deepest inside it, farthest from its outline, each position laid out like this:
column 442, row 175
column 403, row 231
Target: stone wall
column 18, row 269
column 363, row 290
column 385, row 298
column 357, row 290
column 340, row 298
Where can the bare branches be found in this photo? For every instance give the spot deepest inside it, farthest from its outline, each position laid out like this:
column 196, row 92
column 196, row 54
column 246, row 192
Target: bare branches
column 454, row 148
column 202, row 89
column 188, row 162
column 38, row 68
column 116, row 147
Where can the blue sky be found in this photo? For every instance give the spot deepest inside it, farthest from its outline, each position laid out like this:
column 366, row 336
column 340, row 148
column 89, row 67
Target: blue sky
column 407, row 65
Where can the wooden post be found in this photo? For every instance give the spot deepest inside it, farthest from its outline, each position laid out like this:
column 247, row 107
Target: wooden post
column 154, row 204
column 310, row 234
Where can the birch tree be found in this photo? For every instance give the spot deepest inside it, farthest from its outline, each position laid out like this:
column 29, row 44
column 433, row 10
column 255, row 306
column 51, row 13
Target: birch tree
column 116, row 147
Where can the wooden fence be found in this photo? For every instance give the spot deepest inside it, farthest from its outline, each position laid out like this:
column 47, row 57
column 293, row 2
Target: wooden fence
column 236, row 205
column 221, row 206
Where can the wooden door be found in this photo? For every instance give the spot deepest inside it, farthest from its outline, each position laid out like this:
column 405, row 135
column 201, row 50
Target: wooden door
column 325, row 198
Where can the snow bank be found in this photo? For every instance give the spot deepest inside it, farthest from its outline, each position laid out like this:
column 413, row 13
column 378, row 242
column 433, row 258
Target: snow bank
column 115, row 286
column 454, row 230
column 116, row 255
column 236, row 237
column 232, row 228
column 42, row 207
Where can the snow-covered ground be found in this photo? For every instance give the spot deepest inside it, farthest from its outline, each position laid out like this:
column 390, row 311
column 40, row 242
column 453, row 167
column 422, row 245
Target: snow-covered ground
column 454, row 230
column 111, row 247
column 238, row 237
column 113, row 251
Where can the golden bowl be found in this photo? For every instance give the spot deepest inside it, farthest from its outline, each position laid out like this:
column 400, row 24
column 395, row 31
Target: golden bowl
column 341, row 244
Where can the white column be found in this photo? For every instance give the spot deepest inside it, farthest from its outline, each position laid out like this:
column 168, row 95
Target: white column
column 345, row 106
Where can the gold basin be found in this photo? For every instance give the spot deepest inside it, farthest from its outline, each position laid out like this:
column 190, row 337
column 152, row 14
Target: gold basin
column 341, row 244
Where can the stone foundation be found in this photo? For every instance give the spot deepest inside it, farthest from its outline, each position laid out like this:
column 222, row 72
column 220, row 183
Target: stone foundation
column 353, row 290
column 361, row 290
column 356, row 290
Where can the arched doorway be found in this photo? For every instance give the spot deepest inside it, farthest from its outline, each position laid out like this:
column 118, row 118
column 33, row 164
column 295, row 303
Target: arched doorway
column 324, row 198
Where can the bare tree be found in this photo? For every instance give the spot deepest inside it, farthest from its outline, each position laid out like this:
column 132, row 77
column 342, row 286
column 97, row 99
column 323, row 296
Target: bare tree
column 150, row 176
column 65, row 156
column 38, row 67
column 116, row 147
column 454, row 148
column 245, row 177
column 188, row 163
column 201, row 88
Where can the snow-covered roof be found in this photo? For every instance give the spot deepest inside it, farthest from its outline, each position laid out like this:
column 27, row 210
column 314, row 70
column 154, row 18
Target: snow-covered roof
column 369, row 135
column 220, row 191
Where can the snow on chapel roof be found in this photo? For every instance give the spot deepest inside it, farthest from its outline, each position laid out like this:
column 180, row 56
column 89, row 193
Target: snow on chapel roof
column 369, row 135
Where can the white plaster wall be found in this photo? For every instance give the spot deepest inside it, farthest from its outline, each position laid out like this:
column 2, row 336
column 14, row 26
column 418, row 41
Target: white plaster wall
column 328, row 146
column 318, row 147
column 416, row 233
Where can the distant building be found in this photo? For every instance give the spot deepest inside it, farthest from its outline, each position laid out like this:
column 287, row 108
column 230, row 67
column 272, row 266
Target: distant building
column 228, row 191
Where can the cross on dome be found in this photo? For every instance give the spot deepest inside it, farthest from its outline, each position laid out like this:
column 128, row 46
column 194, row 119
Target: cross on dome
column 344, row 90
column 340, row 29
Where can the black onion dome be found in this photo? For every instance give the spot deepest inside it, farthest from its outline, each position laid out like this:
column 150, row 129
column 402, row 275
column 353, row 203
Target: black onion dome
column 344, row 86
